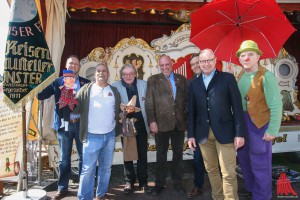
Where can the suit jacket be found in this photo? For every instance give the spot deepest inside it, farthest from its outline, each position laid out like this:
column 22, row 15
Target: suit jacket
column 188, row 83
column 141, row 87
column 160, row 105
column 218, row 107
column 53, row 89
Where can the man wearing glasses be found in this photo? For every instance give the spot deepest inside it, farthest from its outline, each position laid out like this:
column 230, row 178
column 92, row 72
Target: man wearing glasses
column 129, row 86
column 215, row 121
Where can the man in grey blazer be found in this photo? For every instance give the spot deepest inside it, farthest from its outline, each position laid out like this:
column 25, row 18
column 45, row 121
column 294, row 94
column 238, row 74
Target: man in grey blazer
column 166, row 113
column 215, row 121
column 129, row 86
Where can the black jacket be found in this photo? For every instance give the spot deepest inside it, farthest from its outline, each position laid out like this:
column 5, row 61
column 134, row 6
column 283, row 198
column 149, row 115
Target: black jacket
column 218, row 107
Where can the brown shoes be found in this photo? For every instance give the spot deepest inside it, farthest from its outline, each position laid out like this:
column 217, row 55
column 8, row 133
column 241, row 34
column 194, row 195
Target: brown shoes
column 62, row 194
column 105, row 197
column 195, row 192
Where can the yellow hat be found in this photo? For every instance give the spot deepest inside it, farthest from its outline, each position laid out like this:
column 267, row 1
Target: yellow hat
column 248, row 45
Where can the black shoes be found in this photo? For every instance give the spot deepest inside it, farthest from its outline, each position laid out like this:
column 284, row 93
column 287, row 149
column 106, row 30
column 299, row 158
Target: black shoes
column 128, row 188
column 156, row 190
column 243, row 192
column 179, row 188
column 144, row 188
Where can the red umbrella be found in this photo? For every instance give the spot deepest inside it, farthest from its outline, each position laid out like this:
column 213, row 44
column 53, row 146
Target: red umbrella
column 223, row 25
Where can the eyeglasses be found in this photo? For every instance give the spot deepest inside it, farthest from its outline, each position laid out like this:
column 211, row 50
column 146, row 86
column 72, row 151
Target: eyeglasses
column 128, row 75
column 206, row 61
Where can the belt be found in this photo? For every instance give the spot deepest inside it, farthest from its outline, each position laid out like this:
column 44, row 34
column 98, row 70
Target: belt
column 74, row 120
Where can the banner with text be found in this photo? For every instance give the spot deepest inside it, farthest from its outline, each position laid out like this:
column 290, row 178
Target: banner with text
column 28, row 67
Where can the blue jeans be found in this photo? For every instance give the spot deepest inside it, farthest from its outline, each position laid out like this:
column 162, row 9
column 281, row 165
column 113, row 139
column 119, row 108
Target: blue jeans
column 65, row 140
column 199, row 168
column 98, row 147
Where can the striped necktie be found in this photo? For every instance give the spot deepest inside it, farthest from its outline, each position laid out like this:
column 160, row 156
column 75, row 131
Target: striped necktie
column 170, row 85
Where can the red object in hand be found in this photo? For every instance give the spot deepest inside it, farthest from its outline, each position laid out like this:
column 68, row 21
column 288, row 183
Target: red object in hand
column 297, row 116
column 67, row 98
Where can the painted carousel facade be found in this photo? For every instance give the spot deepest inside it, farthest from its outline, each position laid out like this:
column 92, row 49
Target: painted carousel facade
column 119, row 32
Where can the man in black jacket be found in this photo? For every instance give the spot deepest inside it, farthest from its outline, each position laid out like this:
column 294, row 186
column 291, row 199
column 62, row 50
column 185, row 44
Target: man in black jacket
column 198, row 164
column 215, row 121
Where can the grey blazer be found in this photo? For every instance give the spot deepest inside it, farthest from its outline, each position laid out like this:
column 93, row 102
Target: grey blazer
column 142, row 87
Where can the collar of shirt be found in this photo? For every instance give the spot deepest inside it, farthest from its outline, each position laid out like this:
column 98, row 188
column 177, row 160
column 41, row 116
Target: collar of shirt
column 171, row 77
column 207, row 79
column 77, row 83
column 72, row 115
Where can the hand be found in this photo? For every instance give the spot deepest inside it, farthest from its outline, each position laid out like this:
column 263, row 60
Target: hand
column 153, row 128
column 267, row 137
column 238, row 142
column 192, row 144
column 230, row 68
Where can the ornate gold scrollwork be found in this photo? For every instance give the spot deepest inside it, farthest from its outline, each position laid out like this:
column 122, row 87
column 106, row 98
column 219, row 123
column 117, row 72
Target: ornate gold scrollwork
column 100, row 54
column 295, row 95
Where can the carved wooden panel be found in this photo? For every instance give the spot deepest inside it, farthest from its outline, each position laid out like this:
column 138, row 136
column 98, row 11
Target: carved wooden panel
column 178, row 47
column 129, row 50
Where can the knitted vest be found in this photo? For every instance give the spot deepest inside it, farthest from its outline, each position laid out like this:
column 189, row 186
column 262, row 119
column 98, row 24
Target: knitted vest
column 256, row 103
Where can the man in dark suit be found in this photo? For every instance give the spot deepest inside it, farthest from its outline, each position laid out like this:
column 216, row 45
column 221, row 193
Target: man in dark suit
column 215, row 121
column 198, row 164
column 166, row 107
column 65, row 138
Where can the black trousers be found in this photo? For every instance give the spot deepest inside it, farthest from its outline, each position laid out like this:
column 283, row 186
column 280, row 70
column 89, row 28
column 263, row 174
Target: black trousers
column 162, row 145
column 142, row 168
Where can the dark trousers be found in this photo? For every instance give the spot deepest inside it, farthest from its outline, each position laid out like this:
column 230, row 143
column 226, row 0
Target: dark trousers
column 162, row 145
column 199, row 168
column 142, row 168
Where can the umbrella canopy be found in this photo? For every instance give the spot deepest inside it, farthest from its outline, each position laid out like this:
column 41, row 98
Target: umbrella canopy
column 223, row 25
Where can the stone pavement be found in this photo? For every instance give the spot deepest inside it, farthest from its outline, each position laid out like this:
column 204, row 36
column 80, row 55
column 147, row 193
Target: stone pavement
column 117, row 185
